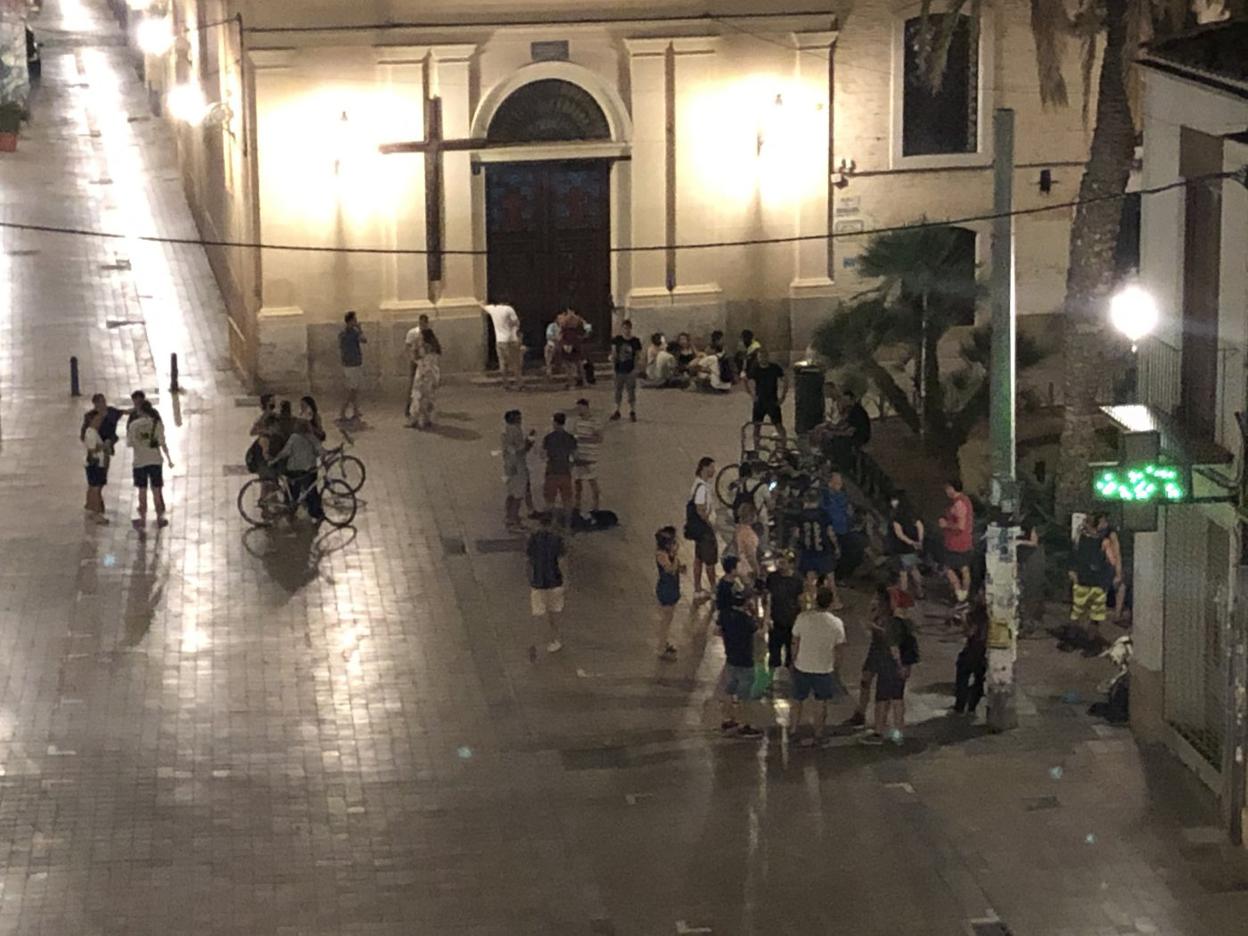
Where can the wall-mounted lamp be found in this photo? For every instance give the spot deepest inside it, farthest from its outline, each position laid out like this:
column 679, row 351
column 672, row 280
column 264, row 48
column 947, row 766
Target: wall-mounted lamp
column 342, row 140
column 154, row 36
column 840, row 178
column 1046, row 181
column 770, row 122
column 188, row 104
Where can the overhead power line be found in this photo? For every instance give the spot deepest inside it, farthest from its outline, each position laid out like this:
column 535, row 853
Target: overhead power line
column 1239, row 175
column 538, row 22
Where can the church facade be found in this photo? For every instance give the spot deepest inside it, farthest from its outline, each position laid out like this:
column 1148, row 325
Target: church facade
column 633, row 160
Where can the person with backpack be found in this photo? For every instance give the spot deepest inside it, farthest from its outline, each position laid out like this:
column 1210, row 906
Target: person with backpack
column 145, row 434
column 700, row 530
column 893, row 669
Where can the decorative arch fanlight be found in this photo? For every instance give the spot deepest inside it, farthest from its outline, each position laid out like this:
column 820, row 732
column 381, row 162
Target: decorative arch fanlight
column 547, row 111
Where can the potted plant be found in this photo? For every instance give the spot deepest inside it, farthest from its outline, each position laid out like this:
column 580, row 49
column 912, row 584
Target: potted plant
column 11, row 114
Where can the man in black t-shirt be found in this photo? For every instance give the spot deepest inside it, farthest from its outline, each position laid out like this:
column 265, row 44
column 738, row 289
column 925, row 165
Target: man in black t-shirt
column 736, row 626
column 545, row 549
column 625, row 353
column 784, row 603
column 558, row 448
column 768, row 385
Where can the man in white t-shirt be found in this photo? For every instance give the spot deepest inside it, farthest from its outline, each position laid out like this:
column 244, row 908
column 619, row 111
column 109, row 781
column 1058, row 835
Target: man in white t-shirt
column 506, row 340
column 817, row 635
column 411, row 341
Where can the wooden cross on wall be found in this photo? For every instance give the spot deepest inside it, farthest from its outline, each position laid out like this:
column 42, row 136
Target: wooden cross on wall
column 433, row 146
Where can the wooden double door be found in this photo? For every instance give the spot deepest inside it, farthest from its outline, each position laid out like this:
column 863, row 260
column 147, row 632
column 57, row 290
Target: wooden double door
column 549, row 242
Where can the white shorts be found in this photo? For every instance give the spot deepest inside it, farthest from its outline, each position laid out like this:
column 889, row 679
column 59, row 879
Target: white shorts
column 351, row 377
column 585, row 472
column 546, row 599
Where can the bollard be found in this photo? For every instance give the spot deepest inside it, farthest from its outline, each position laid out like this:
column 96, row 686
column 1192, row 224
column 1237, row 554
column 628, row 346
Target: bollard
column 73, row 377
column 173, row 373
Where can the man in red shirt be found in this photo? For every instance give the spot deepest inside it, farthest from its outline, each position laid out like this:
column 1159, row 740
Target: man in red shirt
column 958, row 527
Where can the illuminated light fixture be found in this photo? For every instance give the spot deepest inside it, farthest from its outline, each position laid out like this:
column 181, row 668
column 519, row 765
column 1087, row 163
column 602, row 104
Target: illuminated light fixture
column 155, row 36
column 1133, row 311
column 772, row 123
column 140, row 6
column 1144, row 483
column 188, row 104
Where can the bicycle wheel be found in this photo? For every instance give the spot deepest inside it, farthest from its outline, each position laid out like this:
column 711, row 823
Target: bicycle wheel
column 255, row 504
column 349, row 470
column 726, row 484
column 338, row 503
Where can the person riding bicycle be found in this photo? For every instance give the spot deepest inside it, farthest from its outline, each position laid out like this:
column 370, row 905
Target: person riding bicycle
column 302, row 456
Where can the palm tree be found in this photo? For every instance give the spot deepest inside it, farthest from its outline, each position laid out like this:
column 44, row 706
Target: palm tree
column 1095, row 230
column 926, row 285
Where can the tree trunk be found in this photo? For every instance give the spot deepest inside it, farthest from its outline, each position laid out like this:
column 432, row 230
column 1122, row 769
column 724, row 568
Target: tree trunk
column 1093, row 237
column 896, row 396
column 936, row 420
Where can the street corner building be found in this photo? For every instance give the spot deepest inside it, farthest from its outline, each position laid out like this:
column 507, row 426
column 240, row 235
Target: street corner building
column 1191, row 571
column 677, row 163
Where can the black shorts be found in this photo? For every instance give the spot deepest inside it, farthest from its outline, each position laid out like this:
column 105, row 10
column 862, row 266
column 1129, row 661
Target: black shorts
column 764, row 410
column 707, row 549
column 149, row 476
column 97, row 476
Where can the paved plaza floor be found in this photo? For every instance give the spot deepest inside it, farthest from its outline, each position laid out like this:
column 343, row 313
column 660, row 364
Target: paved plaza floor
column 215, row 730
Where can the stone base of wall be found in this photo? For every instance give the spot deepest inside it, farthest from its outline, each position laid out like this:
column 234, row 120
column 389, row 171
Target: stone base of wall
column 295, row 355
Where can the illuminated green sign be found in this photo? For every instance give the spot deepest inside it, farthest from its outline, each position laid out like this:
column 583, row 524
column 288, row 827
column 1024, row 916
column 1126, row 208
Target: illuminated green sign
column 1147, row 482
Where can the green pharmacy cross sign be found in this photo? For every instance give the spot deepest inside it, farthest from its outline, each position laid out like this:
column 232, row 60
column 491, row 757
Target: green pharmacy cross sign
column 1142, row 483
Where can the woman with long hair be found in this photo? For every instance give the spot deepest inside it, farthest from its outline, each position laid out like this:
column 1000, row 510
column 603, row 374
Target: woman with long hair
column 310, row 414
column 426, row 379
column 667, row 589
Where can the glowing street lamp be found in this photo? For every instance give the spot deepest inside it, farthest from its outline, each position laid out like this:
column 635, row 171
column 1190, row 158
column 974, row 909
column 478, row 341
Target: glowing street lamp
column 187, row 103
column 154, row 35
column 1133, row 311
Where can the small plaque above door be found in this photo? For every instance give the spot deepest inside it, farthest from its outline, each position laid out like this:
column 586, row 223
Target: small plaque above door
column 554, row 50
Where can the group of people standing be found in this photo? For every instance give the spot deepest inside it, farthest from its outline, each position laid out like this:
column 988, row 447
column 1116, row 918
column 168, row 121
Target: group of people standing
column 424, row 353
column 145, row 437
column 289, row 444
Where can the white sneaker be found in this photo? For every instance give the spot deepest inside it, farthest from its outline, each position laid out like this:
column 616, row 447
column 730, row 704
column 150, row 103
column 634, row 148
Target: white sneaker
column 554, row 646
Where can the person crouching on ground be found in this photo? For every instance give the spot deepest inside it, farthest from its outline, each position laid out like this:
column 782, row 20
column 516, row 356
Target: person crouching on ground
column 818, row 636
column 736, row 626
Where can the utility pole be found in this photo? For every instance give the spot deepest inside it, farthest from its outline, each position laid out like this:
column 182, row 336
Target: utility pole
column 1002, row 548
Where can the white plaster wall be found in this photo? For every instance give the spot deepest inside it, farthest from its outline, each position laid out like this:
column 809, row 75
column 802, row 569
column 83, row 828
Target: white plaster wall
column 728, row 187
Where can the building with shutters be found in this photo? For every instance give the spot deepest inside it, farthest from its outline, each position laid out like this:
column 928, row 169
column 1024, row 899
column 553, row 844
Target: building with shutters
column 1192, row 378
column 579, row 153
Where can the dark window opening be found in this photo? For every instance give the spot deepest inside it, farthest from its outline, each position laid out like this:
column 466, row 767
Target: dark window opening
column 944, row 120
column 546, row 111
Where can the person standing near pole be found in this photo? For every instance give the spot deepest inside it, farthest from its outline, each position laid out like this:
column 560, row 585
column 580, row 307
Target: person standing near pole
column 625, row 354
column 145, row 434
column 351, row 354
column 958, row 526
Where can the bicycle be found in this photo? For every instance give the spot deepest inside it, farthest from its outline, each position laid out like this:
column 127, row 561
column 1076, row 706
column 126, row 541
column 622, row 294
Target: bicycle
column 338, row 466
column 262, row 501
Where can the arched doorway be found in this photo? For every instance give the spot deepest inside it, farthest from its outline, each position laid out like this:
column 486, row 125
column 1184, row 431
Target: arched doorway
column 548, row 222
